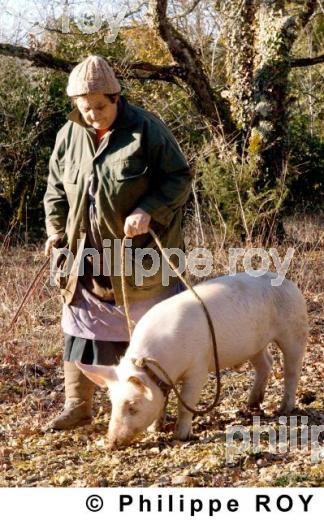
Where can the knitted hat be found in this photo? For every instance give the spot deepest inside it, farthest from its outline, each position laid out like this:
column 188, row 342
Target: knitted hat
column 92, row 75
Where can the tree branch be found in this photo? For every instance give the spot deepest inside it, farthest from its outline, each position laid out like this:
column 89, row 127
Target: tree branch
column 307, row 12
column 189, row 10
column 37, row 58
column 140, row 70
column 137, row 9
column 213, row 107
column 306, row 62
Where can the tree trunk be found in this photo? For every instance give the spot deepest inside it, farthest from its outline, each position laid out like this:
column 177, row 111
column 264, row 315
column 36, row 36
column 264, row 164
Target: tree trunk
column 275, row 35
column 239, row 27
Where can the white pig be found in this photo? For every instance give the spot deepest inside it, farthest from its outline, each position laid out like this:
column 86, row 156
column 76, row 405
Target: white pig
column 248, row 313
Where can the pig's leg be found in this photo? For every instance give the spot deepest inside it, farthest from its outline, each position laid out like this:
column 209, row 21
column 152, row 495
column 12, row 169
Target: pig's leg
column 190, row 393
column 262, row 362
column 293, row 358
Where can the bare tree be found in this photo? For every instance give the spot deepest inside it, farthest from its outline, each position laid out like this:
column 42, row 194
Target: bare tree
column 258, row 40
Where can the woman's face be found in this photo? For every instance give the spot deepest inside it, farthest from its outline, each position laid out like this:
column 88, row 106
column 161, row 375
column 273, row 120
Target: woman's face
column 97, row 110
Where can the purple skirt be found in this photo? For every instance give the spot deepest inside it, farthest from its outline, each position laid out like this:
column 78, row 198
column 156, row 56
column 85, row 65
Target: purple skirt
column 90, row 318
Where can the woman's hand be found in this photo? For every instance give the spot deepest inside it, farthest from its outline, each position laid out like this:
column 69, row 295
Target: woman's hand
column 51, row 242
column 137, row 223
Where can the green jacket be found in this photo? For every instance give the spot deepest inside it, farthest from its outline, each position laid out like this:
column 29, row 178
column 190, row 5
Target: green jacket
column 138, row 164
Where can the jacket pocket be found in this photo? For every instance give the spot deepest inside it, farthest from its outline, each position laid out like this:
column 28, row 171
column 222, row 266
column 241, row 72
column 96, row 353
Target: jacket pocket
column 70, row 176
column 129, row 169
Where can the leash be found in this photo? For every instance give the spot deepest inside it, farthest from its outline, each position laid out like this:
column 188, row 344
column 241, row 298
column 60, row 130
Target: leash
column 144, row 362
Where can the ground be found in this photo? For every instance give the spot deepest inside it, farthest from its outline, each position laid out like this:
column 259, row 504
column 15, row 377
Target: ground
column 31, row 392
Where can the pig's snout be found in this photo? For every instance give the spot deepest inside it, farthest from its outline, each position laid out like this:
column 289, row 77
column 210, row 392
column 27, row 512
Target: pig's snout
column 121, row 441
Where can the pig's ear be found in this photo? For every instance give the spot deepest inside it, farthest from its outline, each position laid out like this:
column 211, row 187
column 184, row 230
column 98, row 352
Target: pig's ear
column 100, row 374
column 144, row 389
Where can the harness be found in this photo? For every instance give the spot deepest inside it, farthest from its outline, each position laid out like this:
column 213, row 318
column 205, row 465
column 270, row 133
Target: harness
column 162, row 385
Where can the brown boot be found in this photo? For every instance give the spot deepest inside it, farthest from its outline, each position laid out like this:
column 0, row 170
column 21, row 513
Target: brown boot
column 78, row 400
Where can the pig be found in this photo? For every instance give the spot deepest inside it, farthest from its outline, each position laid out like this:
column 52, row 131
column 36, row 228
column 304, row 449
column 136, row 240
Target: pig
column 248, row 313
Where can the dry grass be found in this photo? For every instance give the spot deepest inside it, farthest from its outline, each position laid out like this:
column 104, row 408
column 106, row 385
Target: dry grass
column 31, row 392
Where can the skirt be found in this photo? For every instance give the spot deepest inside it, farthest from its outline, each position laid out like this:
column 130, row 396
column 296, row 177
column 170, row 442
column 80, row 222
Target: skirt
column 92, row 351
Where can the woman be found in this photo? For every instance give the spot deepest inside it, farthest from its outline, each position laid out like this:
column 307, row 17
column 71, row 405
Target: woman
column 115, row 170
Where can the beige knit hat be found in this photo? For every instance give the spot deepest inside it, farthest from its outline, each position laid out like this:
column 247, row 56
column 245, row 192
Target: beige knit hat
column 92, row 75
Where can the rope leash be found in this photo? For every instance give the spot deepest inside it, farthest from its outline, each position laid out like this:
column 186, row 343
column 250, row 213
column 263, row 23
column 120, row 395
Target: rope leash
column 142, row 362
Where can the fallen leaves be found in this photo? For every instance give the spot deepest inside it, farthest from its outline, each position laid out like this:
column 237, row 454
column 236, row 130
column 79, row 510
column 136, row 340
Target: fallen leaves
column 32, row 391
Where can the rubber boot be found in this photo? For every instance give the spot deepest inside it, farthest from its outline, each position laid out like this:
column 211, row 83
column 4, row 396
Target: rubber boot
column 78, row 400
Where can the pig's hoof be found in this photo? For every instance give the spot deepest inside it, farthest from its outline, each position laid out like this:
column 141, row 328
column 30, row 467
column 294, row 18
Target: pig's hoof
column 255, row 401
column 181, row 437
column 285, row 410
column 183, row 434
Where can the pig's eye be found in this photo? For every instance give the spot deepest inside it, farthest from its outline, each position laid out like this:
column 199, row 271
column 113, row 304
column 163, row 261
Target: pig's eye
column 132, row 410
